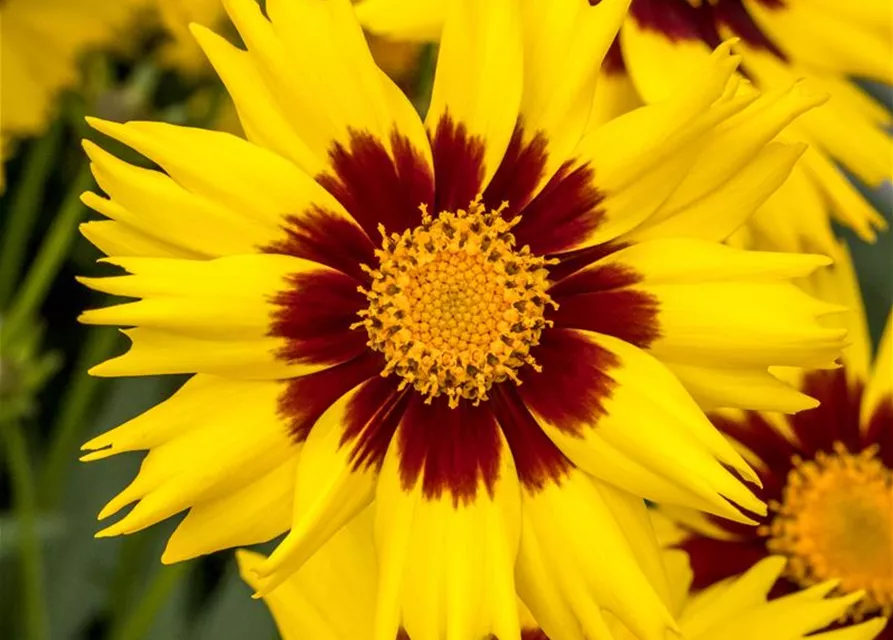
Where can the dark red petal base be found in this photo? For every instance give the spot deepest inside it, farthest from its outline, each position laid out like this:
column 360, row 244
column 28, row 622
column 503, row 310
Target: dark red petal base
column 679, row 20
column 314, row 315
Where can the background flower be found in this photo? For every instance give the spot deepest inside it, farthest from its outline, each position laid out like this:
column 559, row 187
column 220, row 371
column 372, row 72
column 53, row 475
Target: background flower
column 826, row 474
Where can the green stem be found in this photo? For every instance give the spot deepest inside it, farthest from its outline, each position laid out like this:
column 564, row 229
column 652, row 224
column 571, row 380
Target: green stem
column 424, row 85
column 23, row 211
column 26, row 513
column 49, row 258
column 139, row 620
column 72, row 412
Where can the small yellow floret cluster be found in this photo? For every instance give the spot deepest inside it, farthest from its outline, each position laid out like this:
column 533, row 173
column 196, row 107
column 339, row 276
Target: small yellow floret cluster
column 835, row 523
column 453, row 306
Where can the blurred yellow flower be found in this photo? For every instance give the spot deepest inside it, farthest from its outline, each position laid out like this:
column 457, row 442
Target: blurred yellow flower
column 41, row 42
column 40, row 45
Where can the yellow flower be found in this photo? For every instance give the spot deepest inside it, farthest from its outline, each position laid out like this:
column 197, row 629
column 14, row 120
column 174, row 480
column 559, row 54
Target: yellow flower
column 489, row 325
column 827, row 474
column 41, row 42
column 333, row 596
column 781, row 41
column 40, row 47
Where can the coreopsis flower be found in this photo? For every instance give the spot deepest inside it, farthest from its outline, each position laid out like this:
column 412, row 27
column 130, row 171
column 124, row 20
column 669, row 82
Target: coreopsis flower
column 332, row 597
column 827, row 475
column 490, row 325
column 780, row 41
column 41, row 42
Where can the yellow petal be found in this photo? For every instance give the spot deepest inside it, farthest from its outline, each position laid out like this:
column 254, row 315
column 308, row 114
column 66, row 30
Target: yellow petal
column 225, row 298
column 156, row 352
column 238, row 435
column 564, row 45
column 838, row 284
column 657, row 64
column 741, row 387
column 332, row 597
column 312, row 49
column 737, row 141
column 329, row 492
column 156, row 205
column 848, row 206
column 415, row 20
column 255, row 513
column 651, row 420
column 641, row 157
column 478, row 81
column 576, row 559
column 717, row 215
column 263, row 118
column 228, row 304
column 818, row 37
column 796, row 217
column 615, row 94
column 120, row 239
column 880, row 385
column 261, row 185
column 446, row 569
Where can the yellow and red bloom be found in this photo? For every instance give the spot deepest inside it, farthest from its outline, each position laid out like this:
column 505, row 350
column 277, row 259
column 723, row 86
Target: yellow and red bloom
column 332, row 597
column 781, row 41
column 827, row 475
column 489, row 325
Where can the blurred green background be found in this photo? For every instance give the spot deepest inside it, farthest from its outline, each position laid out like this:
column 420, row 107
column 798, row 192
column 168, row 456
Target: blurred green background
column 56, row 580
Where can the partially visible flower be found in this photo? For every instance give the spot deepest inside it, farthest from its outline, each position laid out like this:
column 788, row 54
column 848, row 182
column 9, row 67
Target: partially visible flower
column 41, row 43
column 332, row 597
column 489, row 325
column 781, row 41
column 827, row 475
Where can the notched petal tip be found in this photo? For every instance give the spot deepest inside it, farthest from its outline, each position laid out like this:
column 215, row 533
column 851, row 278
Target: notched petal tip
column 102, row 126
column 101, row 454
column 822, row 589
column 173, row 554
column 774, row 565
column 808, row 403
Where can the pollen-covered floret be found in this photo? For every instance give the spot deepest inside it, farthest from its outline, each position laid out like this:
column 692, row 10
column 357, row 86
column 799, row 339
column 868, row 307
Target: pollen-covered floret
column 835, row 523
column 454, row 306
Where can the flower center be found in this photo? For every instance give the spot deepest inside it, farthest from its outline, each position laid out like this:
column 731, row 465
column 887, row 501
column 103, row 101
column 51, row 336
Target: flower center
column 835, row 523
column 454, row 306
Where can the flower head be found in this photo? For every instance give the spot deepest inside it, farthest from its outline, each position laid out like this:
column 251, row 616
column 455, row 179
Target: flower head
column 781, row 41
column 827, row 475
column 488, row 325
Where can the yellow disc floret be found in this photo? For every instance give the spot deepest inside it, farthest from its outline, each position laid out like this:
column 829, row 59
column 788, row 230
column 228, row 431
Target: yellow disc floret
column 835, row 523
column 454, row 306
